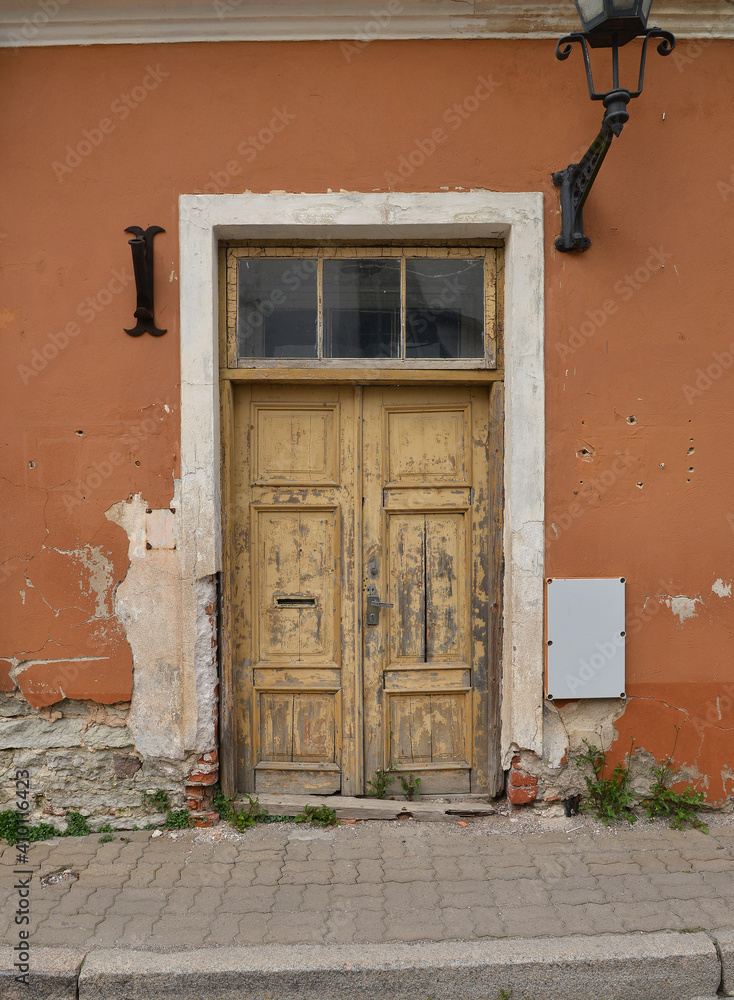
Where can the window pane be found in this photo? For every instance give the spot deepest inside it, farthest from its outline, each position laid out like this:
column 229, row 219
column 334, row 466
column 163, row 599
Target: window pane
column 277, row 308
column 362, row 308
column 444, row 309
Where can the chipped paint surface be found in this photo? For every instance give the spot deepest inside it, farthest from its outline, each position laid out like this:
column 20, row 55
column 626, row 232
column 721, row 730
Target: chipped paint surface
column 721, row 588
column 683, row 607
column 170, row 696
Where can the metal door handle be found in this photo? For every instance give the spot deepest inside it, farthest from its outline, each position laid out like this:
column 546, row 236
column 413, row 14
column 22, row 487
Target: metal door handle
column 373, row 606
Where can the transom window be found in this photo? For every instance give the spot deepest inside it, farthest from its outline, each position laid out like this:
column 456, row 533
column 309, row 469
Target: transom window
column 364, row 306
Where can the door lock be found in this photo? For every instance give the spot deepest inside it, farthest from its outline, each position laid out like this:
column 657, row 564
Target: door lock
column 373, row 606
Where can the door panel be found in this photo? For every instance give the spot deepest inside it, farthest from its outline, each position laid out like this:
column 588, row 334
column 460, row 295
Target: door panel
column 338, row 489
column 296, row 589
column 425, row 486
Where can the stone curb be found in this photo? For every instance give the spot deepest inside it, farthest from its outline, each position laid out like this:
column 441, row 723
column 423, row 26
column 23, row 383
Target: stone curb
column 724, row 941
column 616, row 967
column 54, row 974
column 659, row 966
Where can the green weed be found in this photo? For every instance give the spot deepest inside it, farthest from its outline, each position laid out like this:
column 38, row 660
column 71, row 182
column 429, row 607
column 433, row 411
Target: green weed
column 611, row 797
column 319, row 815
column 157, row 800
column 380, row 783
column 411, row 785
column 678, row 807
column 178, row 820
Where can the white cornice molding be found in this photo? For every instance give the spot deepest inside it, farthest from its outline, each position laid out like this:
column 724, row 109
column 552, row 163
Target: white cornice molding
column 25, row 23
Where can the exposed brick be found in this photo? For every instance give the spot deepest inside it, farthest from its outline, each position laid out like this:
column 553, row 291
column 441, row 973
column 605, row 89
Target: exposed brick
column 521, row 796
column 519, row 779
column 205, row 819
column 199, row 778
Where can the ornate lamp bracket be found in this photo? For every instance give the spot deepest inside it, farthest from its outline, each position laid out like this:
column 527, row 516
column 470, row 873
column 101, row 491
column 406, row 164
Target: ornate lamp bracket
column 577, row 179
column 142, row 251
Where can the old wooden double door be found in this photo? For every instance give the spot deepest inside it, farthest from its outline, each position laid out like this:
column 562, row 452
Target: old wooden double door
column 366, row 564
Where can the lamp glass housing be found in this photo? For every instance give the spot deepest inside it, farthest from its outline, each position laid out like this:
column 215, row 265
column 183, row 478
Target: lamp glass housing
column 605, row 20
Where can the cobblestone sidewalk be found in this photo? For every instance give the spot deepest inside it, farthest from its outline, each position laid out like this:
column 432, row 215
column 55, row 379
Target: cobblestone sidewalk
column 374, row 882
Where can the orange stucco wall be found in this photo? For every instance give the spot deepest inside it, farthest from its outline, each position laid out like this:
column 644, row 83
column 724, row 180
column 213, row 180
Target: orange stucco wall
column 640, row 341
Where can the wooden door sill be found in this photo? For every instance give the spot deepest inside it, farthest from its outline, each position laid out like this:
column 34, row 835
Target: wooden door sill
column 437, row 809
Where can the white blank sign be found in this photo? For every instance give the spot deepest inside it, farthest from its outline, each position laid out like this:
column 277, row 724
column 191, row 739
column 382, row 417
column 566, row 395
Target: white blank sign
column 586, row 635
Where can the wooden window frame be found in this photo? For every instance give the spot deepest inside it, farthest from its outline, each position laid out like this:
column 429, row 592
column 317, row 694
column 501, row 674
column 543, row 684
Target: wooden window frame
column 492, row 251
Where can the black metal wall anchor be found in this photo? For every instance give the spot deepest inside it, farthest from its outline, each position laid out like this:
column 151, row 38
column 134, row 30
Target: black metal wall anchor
column 575, row 183
column 577, row 179
column 142, row 251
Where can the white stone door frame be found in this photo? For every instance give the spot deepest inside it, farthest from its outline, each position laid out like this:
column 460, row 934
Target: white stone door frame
column 515, row 218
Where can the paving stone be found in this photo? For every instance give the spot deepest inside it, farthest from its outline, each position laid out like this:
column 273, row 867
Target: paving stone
column 413, row 925
column 223, row 930
column 109, row 932
column 178, row 930
column 180, row 900
column 603, row 919
column 369, row 925
column 526, row 892
column 720, row 911
column 168, row 875
column 647, row 916
column 267, row 872
column 212, row 874
column 317, row 897
column 242, row 873
column 577, row 897
column 370, row 870
column 100, row 900
column 140, row 930
column 208, row 900
column 142, row 874
column 508, row 873
column 140, row 902
column 252, row 929
column 530, row 921
column 248, row 899
column 288, row 897
column 340, row 927
column 296, row 928
column 628, row 888
column 376, row 900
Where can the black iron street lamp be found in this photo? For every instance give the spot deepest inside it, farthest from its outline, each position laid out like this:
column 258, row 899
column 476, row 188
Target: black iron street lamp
column 607, row 24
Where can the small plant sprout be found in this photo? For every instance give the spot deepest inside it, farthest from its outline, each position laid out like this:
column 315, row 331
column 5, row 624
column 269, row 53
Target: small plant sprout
column 411, row 785
column 611, row 797
column 381, row 782
column 678, row 807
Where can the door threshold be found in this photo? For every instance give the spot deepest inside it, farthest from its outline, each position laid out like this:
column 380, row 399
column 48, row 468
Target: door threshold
column 349, row 807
